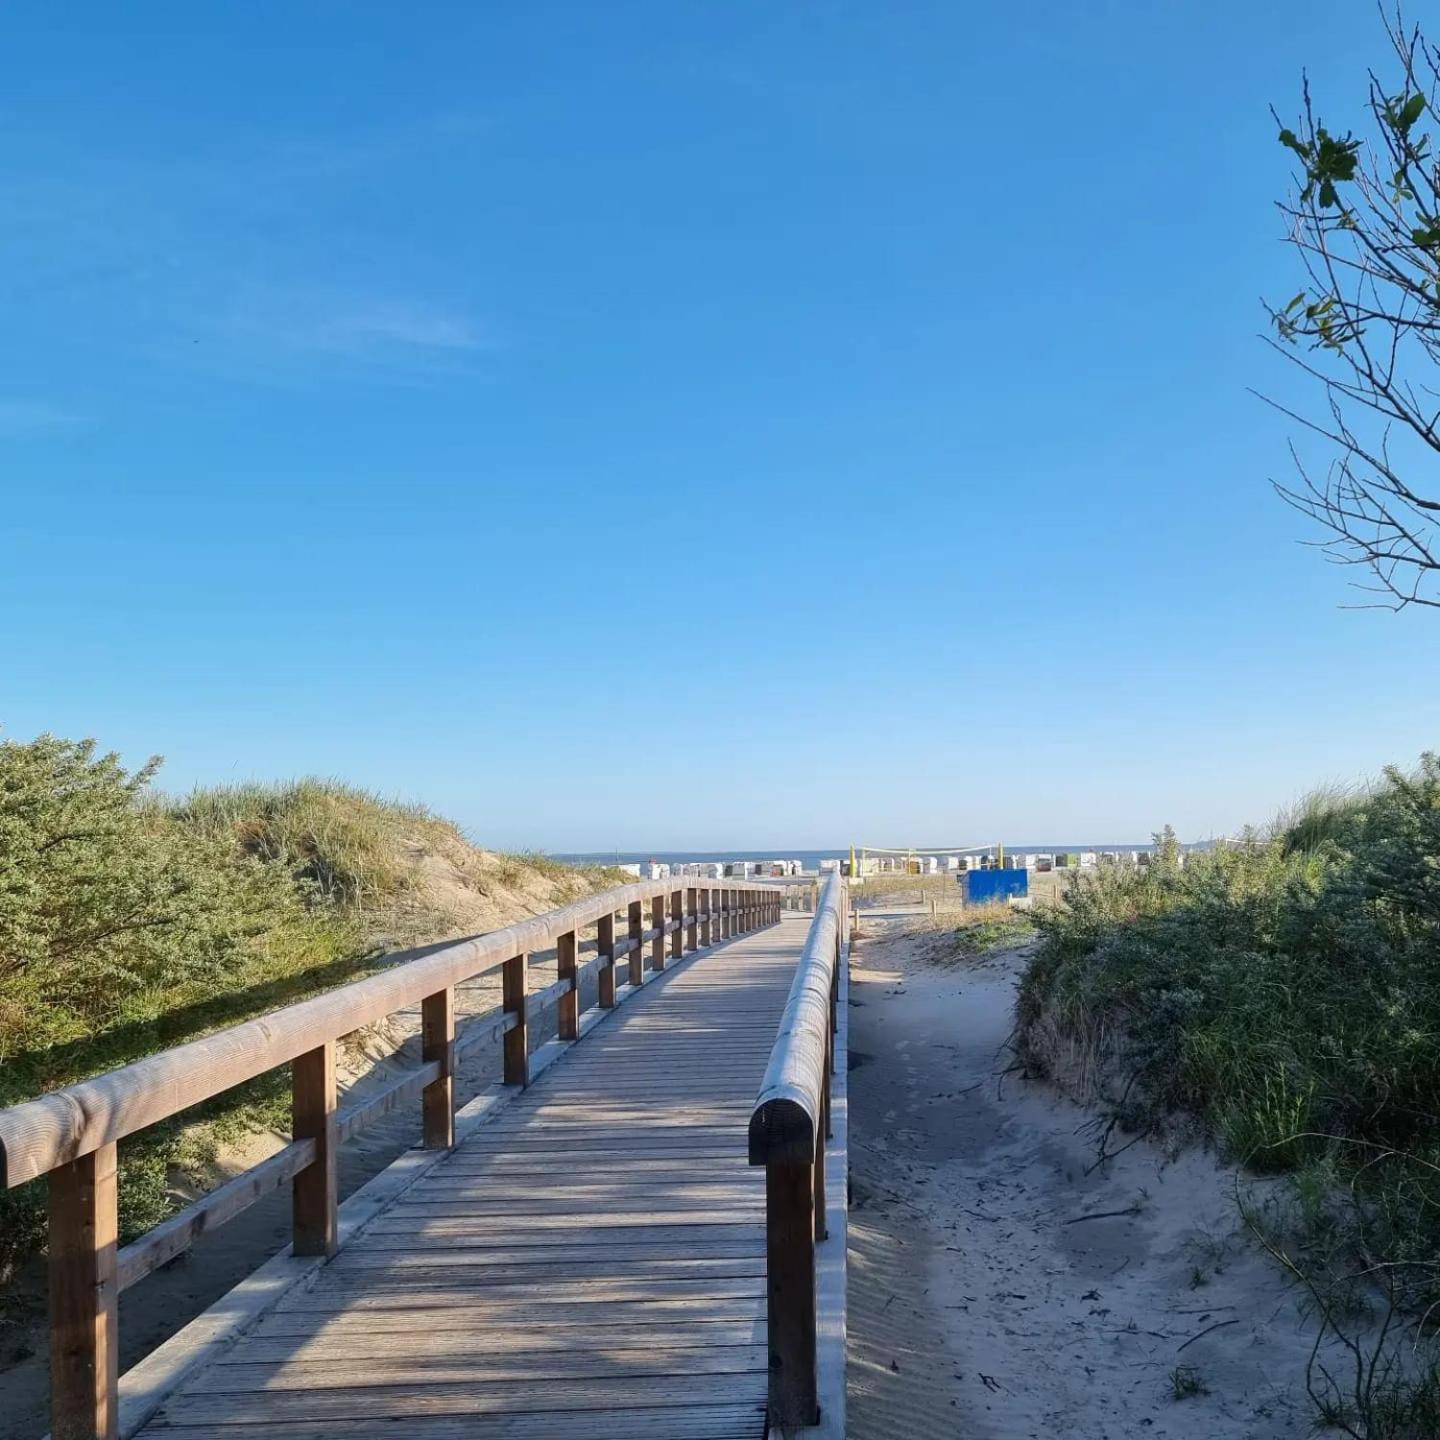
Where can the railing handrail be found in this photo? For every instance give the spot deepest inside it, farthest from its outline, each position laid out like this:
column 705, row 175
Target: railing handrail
column 37, row 1136
column 788, row 1130
column 790, row 1105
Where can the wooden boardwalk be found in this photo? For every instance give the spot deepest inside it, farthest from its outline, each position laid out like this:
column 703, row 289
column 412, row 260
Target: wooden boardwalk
column 591, row 1264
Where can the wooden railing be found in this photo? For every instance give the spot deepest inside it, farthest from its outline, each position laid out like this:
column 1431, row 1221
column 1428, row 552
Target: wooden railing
column 788, row 1130
column 70, row 1135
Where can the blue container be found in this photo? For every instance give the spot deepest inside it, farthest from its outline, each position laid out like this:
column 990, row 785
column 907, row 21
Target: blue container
column 984, row 886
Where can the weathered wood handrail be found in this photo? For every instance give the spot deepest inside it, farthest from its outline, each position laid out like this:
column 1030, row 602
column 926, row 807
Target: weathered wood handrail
column 71, row 1134
column 788, row 1130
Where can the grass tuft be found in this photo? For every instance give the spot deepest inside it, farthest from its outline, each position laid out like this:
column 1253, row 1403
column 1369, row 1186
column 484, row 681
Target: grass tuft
column 348, row 845
column 986, row 929
column 1185, row 1383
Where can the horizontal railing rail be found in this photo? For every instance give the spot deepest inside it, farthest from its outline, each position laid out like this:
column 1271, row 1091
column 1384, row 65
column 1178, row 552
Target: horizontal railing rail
column 788, row 1130
column 70, row 1135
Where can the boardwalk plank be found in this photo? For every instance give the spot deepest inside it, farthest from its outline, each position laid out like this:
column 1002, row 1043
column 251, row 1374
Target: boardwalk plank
column 341, row 1294
column 402, row 1233
column 508, row 1317
column 693, row 1422
column 331, row 1343
column 466, row 1209
column 452, row 1253
column 466, row 1397
column 423, row 1367
column 617, row 1239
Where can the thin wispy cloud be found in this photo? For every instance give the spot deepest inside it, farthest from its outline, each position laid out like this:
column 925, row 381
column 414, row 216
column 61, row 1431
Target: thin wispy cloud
column 403, row 324
column 305, row 335
column 234, row 264
column 359, row 328
column 35, row 417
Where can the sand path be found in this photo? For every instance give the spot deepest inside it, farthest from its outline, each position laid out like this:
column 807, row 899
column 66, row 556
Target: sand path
column 983, row 1303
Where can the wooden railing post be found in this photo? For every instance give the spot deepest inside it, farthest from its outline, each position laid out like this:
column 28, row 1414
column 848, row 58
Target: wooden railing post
column 84, row 1345
column 568, row 1020
column 677, row 915
column 692, row 914
column 636, row 920
column 517, row 1039
column 312, row 1191
column 707, row 930
column 605, row 944
column 790, row 1292
column 437, row 1100
column 657, row 924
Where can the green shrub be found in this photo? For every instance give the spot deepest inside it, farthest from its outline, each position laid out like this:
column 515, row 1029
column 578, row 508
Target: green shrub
column 125, row 928
column 110, row 913
column 1286, row 989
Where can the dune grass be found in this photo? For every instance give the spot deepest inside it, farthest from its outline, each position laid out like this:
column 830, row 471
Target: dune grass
column 350, row 846
column 1285, row 989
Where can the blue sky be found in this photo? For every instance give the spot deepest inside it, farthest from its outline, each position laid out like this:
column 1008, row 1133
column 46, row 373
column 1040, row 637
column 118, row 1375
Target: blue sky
column 669, row 425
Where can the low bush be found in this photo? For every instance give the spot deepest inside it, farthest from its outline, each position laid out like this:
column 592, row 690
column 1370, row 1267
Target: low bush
column 1285, row 988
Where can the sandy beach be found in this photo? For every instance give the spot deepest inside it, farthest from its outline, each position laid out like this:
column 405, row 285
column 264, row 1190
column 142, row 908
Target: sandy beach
column 1003, row 1284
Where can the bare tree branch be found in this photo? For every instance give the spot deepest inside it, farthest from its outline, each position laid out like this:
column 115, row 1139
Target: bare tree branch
column 1364, row 218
